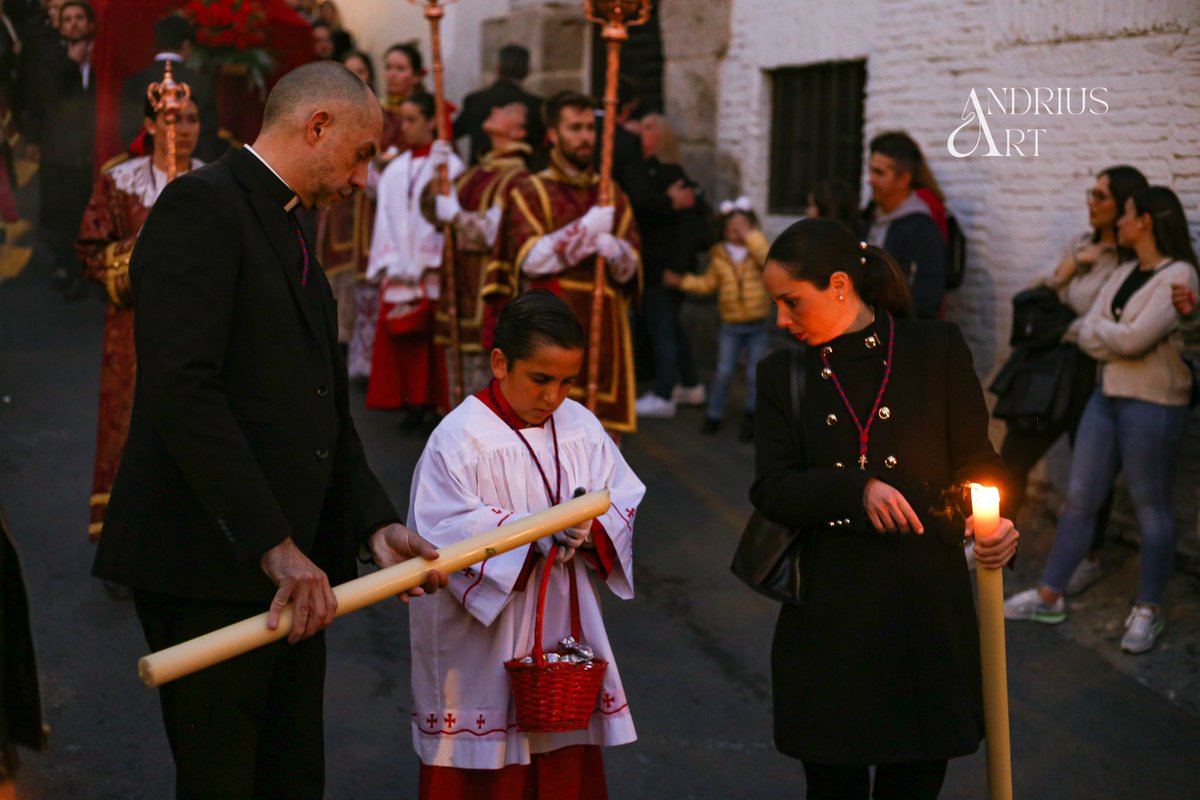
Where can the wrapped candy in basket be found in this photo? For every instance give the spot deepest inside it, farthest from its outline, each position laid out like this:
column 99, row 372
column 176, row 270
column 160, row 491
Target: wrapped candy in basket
column 556, row 691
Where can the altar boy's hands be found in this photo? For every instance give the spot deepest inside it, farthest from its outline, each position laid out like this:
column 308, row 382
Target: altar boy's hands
column 394, row 543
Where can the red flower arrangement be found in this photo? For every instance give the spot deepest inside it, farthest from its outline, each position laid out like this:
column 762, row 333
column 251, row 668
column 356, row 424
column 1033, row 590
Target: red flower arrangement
column 231, row 32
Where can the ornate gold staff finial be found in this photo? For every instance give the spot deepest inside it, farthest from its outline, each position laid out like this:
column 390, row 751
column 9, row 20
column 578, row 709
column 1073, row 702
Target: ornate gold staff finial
column 169, row 97
column 615, row 18
column 434, row 11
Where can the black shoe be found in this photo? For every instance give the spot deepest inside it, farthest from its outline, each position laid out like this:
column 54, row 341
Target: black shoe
column 410, row 419
column 75, row 290
column 430, row 419
column 59, row 279
column 711, row 426
column 746, row 431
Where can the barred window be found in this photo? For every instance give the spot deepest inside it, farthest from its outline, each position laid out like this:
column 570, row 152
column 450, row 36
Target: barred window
column 816, row 130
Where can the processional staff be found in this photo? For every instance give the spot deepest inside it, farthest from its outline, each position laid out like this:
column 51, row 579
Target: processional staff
column 615, row 18
column 169, row 98
column 434, row 11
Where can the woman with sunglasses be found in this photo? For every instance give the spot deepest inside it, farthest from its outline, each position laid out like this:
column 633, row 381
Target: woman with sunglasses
column 1135, row 420
column 1084, row 267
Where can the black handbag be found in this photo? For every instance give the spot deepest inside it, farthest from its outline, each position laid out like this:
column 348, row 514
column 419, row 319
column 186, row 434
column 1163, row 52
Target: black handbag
column 768, row 556
column 1035, row 387
column 1039, row 318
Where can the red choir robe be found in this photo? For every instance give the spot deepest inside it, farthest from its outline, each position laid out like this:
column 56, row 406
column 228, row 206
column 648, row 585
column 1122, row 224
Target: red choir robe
column 345, row 242
column 542, row 204
column 120, row 203
column 407, row 369
column 481, row 189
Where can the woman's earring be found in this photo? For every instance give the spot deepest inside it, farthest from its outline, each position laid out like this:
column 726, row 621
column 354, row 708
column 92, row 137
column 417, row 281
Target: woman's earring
column 841, row 297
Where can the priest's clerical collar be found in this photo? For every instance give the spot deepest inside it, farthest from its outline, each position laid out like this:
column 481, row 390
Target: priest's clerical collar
column 281, row 192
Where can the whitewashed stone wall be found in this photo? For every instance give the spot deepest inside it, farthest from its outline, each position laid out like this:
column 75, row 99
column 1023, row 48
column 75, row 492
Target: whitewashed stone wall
column 923, row 59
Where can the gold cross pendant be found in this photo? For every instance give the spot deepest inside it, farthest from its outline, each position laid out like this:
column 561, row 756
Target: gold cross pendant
column 862, row 461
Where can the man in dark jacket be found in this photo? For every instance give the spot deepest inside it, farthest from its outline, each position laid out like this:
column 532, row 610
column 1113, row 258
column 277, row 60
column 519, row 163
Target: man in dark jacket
column 173, row 42
column 514, row 67
column 63, row 105
column 243, row 483
column 904, row 216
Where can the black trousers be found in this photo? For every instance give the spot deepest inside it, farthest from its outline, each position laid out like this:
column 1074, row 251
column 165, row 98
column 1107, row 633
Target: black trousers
column 920, row 781
column 1021, row 450
column 250, row 727
column 65, row 191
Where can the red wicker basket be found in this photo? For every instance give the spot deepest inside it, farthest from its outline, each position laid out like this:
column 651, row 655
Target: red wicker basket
column 560, row 696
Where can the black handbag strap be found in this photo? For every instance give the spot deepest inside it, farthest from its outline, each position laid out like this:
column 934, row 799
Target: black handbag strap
column 798, row 389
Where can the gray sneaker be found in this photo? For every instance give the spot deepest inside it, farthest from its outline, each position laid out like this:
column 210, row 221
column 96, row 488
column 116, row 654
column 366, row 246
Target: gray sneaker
column 1142, row 627
column 1087, row 573
column 1028, row 605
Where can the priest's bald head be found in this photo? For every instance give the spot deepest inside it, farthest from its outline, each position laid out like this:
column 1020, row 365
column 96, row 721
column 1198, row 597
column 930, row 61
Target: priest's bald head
column 321, row 128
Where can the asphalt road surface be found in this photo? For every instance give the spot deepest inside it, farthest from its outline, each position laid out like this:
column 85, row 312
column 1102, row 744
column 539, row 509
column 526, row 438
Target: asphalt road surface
column 693, row 645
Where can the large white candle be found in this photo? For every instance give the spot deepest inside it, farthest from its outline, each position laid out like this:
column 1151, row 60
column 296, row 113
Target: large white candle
column 985, row 505
column 240, row 637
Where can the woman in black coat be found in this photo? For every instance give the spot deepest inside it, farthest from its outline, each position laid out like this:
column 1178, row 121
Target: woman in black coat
column 880, row 664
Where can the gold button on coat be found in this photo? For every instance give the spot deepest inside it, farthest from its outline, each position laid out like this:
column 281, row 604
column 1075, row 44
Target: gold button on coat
column 890, row 462
column 831, row 420
column 884, row 412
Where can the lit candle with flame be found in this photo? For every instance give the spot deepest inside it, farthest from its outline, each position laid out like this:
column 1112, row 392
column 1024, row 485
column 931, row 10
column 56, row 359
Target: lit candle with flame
column 985, row 507
column 985, row 504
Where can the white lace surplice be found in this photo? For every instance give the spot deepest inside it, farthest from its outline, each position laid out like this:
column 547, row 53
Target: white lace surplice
column 474, row 475
column 406, row 248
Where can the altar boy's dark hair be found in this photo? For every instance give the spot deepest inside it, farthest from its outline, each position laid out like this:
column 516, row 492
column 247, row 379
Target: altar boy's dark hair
column 535, row 319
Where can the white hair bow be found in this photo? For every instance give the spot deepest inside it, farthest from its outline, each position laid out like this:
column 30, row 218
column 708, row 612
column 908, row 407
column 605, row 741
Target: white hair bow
column 730, row 206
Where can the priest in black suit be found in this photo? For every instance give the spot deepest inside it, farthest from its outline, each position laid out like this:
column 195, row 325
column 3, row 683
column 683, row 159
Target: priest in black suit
column 173, row 42
column 243, row 484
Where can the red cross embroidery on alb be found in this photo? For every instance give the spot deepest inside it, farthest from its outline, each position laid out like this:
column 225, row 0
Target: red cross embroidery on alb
column 431, row 720
column 450, row 720
column 479, row 723
column 609, row 700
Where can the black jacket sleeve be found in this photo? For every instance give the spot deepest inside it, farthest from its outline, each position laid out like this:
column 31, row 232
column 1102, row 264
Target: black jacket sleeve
column 916, row 242
column 972, row 456
column 184, row 271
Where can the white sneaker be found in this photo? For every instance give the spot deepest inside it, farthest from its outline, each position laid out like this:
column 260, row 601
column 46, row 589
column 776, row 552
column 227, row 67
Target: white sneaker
column 651, row 405
column 1087, row 573
column 1142, row 627
column 690, row 395
column 1028, row 605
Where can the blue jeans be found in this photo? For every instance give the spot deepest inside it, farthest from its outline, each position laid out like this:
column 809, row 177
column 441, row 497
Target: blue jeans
column 734, row 339
column 673, row 359
column 1145, row 438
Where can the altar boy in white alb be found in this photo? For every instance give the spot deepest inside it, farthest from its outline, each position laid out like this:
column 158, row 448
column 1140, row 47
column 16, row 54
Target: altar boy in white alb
column 509, row 451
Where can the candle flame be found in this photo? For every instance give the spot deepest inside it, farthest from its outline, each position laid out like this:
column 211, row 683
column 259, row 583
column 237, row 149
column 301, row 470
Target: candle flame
column 984, row 496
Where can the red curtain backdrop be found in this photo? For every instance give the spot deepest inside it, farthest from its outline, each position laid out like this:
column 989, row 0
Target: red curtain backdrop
column 125, row 45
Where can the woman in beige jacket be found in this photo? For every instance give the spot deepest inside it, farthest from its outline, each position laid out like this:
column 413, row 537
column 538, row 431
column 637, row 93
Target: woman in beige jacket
column 1086, row 264
column 1135, row 419
column 735, row 273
